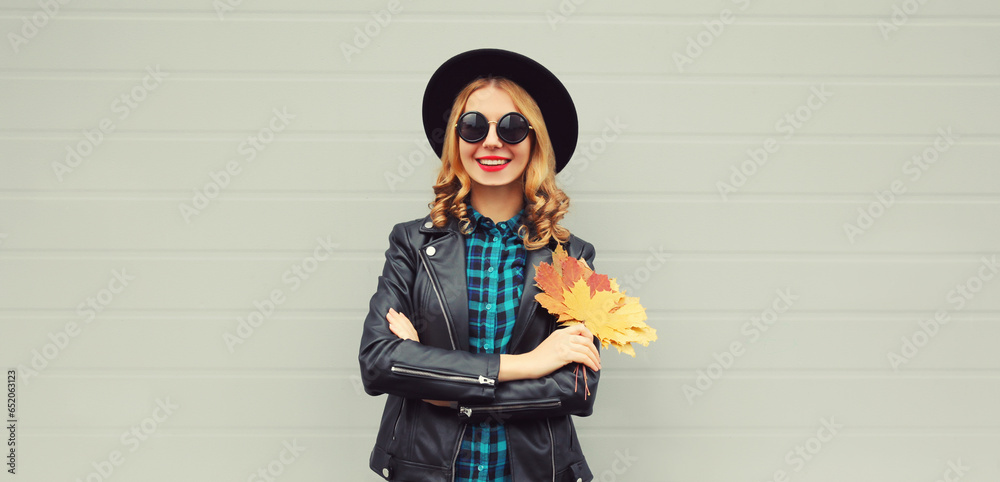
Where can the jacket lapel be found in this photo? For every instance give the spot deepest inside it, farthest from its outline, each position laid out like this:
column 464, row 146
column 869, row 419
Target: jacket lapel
column 526, row 310
column 447, row 269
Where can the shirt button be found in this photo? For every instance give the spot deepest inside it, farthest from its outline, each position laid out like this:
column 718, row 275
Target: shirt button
column 495, row 239
column 487, row 346
column 482, row 467
column 489, row 270
column 489, row 307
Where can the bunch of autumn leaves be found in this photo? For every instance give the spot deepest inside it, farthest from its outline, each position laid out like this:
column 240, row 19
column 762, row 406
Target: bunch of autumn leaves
column 576, row 294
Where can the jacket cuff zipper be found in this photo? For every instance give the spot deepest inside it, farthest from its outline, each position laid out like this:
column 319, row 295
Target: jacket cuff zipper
column 478, row 380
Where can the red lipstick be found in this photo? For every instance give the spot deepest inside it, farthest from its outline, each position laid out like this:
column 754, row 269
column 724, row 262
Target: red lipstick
column 492, row 166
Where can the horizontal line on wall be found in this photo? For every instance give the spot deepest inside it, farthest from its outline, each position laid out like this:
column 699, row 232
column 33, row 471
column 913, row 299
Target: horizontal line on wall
column 849, row 431
column 368, row 434
column 810, row 374
column 629, row 374
column 20, row 315
column 377, row 254
column 617, row 77
column 923, row 139
column 387, row 196
column 29, row 432
column 352, row 19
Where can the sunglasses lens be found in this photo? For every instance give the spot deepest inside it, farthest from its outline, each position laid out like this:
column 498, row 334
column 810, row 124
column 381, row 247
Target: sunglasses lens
column 473, row 127
column 512, row 128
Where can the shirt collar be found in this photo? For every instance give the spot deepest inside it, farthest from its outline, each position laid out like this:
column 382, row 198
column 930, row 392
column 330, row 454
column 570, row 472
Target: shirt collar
column 509, row 226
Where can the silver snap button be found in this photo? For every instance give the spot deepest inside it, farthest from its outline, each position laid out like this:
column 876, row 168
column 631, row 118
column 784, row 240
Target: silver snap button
column 579, row 479
column 431, row 251
column 428, row 225
column 385, row 473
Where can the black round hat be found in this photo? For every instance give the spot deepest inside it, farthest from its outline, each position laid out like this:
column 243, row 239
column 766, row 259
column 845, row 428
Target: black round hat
column 549, row 93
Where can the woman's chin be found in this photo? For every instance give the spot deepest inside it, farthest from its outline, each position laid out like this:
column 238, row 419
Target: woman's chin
column 510, row 173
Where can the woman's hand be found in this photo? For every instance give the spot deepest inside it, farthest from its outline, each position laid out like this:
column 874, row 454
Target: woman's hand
column 400, row 326
column 574, row 344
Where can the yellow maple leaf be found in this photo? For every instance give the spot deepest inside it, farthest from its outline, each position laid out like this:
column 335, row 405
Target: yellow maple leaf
column 575, row 294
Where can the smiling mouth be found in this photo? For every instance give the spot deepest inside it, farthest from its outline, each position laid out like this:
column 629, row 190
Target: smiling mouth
column 492, row 161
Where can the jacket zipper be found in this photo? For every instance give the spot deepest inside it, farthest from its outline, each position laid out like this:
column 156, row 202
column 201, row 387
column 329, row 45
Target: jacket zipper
column 437, row 293
column 478, row 380
column 552, row 447
column 458, row 448
column 467, row 411
column 399, row 413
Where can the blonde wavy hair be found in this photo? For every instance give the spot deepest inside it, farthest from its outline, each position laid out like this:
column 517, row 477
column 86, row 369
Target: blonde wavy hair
column 544, row 203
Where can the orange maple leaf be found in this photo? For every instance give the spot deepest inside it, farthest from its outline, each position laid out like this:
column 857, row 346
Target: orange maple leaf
column 576, row 294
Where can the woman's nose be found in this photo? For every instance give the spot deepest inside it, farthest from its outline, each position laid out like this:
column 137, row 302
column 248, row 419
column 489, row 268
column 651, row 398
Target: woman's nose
column 492, row 139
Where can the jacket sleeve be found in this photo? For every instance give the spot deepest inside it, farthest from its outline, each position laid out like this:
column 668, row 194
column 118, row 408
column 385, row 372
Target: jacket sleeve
column 406, row 368
column 562, row 392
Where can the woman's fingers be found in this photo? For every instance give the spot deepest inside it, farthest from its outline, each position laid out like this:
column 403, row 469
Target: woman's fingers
column 578, row 352
column 397, row 331
column 401, row 326
column 579, row 344
column 588, row 357
column 585, row 339
column 592, row 351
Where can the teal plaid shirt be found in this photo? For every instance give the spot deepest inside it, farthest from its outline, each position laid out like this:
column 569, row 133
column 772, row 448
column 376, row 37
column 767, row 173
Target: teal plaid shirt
column 495, row 272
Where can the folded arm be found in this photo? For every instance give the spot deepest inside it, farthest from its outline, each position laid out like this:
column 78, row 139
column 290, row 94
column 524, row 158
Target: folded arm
column 390, row 364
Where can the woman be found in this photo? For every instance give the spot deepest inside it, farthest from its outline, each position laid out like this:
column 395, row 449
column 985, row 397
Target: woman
column 481, row 384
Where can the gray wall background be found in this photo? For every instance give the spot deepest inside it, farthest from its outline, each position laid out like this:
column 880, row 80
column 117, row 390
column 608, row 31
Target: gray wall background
column 887, row 107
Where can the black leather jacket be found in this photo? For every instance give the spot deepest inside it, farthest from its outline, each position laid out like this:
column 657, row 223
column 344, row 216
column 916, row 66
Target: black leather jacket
column 424, row 278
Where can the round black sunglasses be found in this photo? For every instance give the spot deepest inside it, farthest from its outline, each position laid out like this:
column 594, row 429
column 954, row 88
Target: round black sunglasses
column 473, row 127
